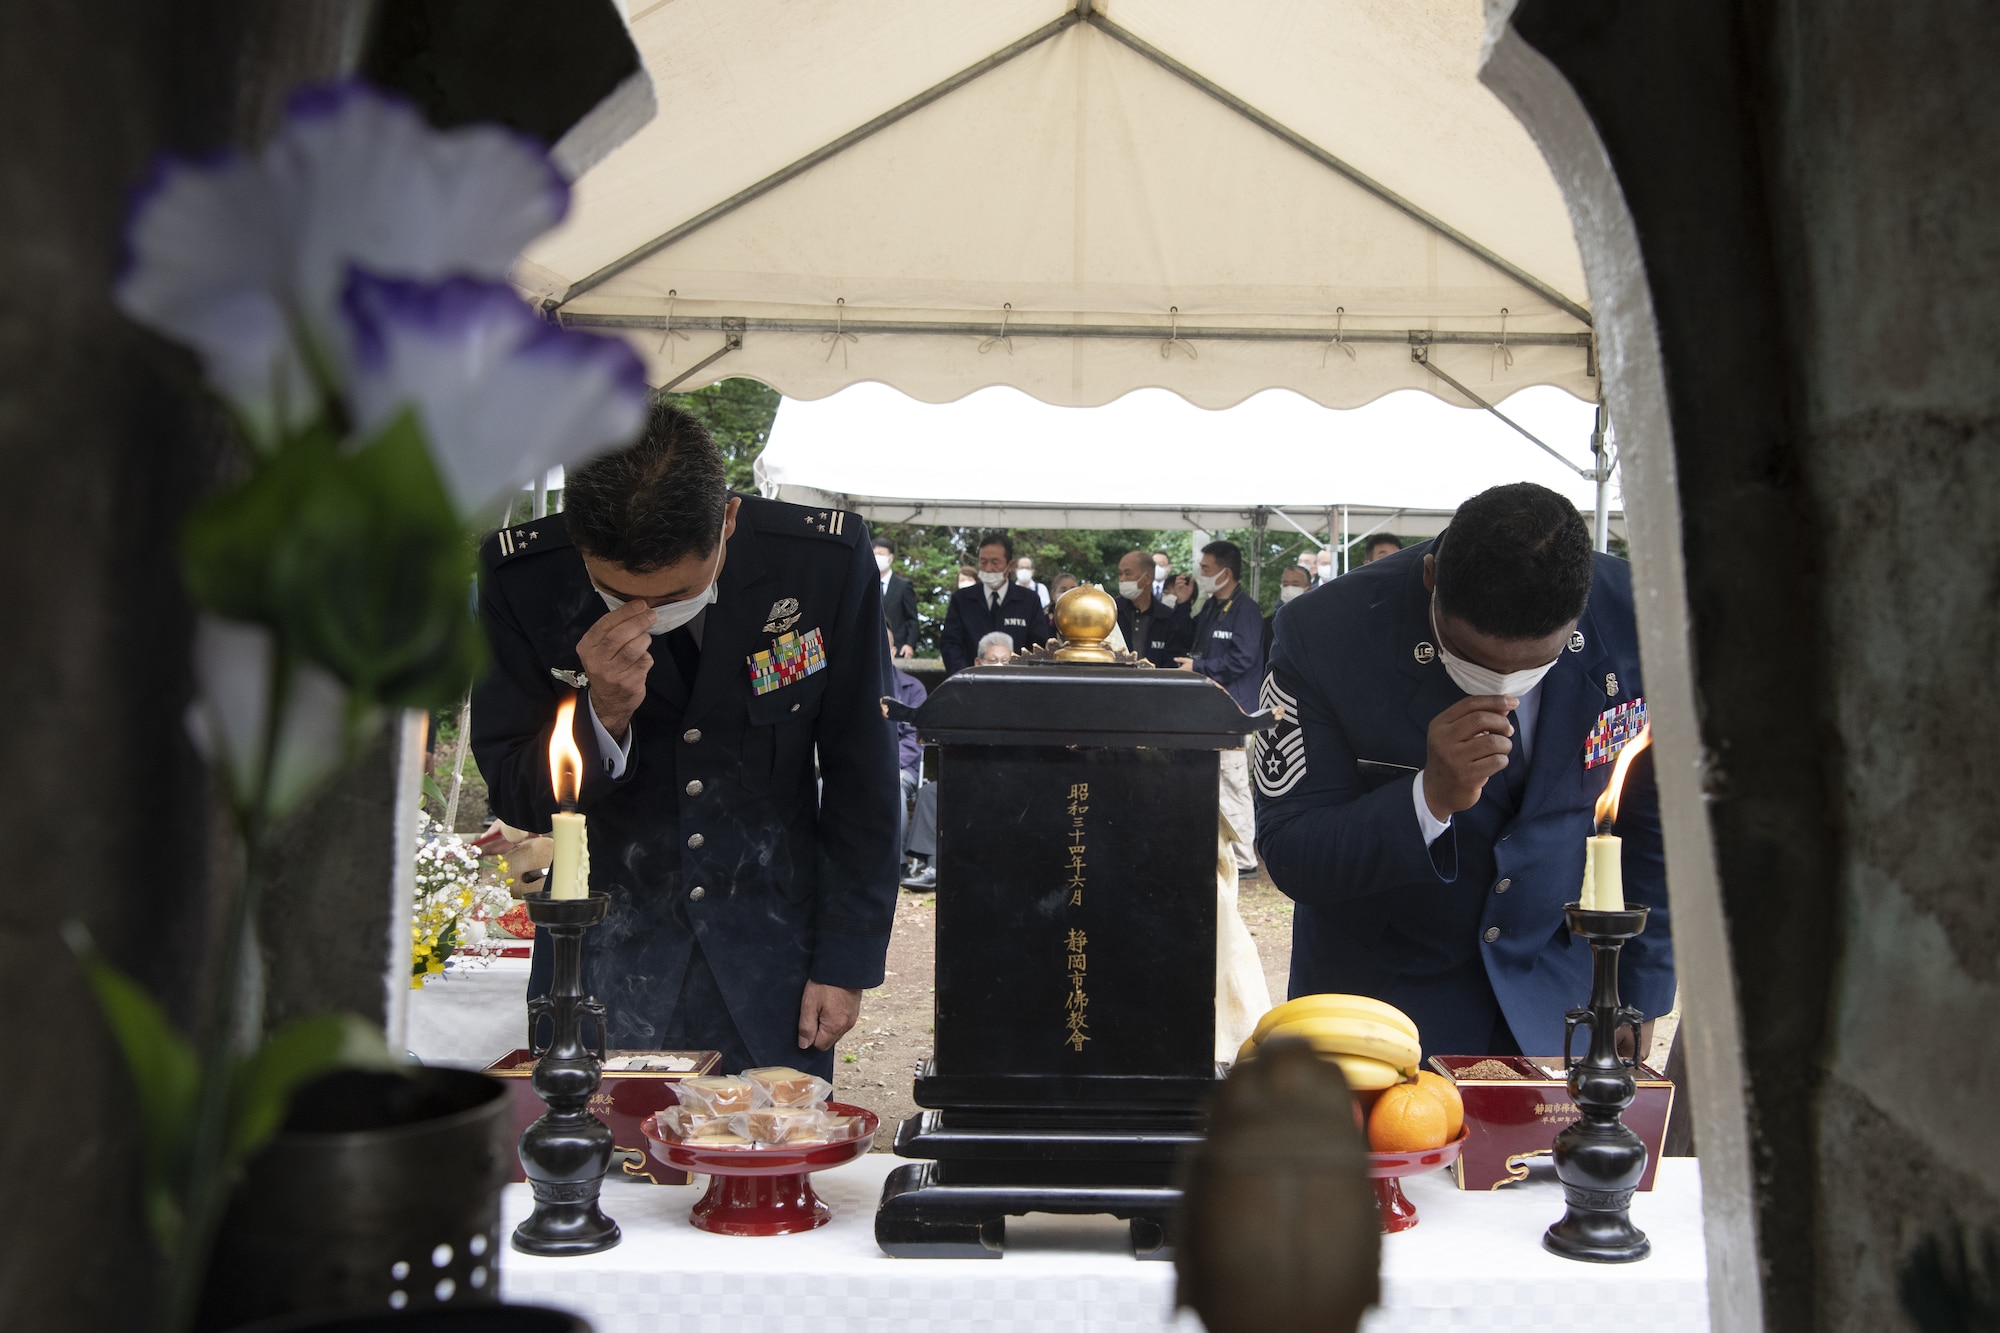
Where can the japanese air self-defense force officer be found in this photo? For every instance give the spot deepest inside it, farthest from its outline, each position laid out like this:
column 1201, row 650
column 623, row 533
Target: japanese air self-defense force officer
column 1450, row 714
column 739, row 778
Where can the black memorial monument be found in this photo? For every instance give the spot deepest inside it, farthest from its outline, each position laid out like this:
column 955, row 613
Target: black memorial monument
column 1075, row 1019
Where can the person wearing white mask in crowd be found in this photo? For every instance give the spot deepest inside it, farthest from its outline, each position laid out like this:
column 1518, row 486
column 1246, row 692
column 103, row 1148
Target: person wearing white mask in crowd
column 1448, row 718
column 1152, row 629
column 1293, row 584
column 751, row 891
column 1323, row 564
column 996, row 602
column 1163, row 572
column 899, row 600
column 1229, row 649
column 1024, row 574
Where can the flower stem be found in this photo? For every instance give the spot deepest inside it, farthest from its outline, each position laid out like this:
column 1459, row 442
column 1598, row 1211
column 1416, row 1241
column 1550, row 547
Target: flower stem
column 210, row 1172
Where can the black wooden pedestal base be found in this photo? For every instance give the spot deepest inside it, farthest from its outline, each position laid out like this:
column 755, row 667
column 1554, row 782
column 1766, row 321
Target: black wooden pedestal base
column 988, row 1165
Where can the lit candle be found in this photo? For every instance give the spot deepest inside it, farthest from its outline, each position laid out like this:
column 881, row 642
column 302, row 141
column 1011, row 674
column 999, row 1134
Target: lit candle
column 1603, row 851
column 569, row 876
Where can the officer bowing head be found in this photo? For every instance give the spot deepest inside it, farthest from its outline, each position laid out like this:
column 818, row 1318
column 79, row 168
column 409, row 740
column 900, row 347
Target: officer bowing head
column 1448, row 715
column 740, row 781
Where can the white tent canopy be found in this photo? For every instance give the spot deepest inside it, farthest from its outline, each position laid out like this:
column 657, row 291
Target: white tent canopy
column 1151, row 460
column 1076, row 198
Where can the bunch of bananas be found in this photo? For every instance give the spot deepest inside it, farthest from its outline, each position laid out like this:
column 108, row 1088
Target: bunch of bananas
column 1375, row 1044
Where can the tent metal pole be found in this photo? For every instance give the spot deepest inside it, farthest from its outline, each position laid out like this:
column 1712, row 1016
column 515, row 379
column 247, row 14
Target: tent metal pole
column 1295, row 524
column 1420, row 355
column 1603, row 470
column 1344, row 544
column 1257, row 555
column 580, row 319
column 729, row 344
column 1152, row 53
column 542, row 496
column 821, row 154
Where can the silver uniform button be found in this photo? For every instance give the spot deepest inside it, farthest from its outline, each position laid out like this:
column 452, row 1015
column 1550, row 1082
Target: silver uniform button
column 694, row 788
column 697, row 893
column 696, row 840
column 691, row 735
column 1503, row 886
column 1492, row 932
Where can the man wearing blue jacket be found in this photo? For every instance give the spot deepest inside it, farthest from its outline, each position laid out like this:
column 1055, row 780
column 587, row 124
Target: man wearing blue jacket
column 1450, row 714
column 1229, row 650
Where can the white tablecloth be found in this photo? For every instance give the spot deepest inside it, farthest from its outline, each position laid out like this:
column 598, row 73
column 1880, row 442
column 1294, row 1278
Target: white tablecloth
column 1473, row 1261
column 471, row 1016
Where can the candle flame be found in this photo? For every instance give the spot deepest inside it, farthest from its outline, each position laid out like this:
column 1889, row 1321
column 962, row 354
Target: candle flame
column 565, row 760
column 1607, row 801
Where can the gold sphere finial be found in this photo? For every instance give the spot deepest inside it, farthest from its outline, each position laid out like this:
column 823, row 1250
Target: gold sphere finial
column 1085, row 617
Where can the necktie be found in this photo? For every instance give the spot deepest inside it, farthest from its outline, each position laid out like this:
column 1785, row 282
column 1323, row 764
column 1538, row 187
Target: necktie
column 994, row 603
column 1516, row 772
column 687, row 657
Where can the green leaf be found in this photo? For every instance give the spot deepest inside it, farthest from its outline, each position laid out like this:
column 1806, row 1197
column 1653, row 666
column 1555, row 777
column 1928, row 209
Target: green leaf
column 434, row 794
column 229, row 545
column 262, row 1085
column 166, row 1077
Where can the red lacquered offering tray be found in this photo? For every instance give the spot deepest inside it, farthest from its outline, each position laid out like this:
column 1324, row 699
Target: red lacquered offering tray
column 1387, row 1169
column 762, row 1191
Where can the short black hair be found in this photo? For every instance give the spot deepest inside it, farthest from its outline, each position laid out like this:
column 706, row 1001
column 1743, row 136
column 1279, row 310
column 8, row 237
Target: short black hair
column 1227, row 554
column 999, row 539
column 654, row 503
column 1300, row 570
column 1516, row 562
column 884, row 544
column 1379, row 539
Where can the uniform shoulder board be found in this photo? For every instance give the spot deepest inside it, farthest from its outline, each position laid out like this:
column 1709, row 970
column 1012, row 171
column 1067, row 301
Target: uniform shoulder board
column 778, row 516
column 521, row 539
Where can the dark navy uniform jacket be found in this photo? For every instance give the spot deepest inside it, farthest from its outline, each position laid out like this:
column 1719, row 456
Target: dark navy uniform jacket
column 968, row 619
column 1469, row 930
column 719, row 832
column 1159, row 633
column 1229, row 646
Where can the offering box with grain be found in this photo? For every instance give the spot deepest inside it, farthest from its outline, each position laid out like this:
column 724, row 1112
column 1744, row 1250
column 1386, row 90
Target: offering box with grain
column 1515, row 1107
column 636, row 1084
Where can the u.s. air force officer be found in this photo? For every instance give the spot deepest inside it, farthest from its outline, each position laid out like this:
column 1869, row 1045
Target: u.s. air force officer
column 1229, row 650
column 728, row 642
column 1450, row 714
column 995, row 603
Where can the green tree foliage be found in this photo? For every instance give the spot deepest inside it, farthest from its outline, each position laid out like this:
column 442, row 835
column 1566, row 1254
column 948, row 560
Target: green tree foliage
column 738, row 414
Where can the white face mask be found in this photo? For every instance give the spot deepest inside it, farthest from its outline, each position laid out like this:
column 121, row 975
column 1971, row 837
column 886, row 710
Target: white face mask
column 993, row 578
column 1128, row 588
column 1024, row 577
column 1289, row 591
column 1476, row 679
column 1208, row 582
column 673, row 615
column 1159, row 570
column 964, row 582
column 882, row 561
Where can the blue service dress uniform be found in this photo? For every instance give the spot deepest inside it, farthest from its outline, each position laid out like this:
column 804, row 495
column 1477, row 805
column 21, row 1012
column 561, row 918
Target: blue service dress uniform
column 1466, row 935
column 736, row 871
column 1160, row 633
column 1229, row 646
column 969, row 617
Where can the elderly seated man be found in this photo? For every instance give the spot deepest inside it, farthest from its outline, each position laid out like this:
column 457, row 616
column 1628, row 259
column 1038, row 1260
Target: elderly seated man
column 920, row 844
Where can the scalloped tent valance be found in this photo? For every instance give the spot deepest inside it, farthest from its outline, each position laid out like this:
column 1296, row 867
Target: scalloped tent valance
column 1076, row 200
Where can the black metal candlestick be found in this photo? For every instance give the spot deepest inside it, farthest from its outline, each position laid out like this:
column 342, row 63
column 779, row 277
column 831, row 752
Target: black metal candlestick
column 1598, row 1159
column 566, row 1153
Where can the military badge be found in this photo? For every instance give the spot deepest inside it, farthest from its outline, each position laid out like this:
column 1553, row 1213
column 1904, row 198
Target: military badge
column 1281, row 751
column 1424, row 654
column 784, row 614
column 1615, row 728
column 576, row 680
column 1576, row 640
column 789, row 660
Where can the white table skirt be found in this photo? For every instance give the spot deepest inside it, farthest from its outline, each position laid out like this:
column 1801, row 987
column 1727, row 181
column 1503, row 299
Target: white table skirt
column 472, row 1015
column 1474, row 1261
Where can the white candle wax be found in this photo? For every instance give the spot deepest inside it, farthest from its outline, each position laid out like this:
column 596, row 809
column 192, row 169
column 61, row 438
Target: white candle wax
column 1604, row 859
column 569, row 876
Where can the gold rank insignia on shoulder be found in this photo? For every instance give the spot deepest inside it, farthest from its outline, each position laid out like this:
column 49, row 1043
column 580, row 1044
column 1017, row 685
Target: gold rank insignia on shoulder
column 1423, row 652
column 515, row 540
column 791, row 659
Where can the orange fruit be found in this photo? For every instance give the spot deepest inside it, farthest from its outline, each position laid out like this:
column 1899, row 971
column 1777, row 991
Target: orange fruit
column 1446, row 1092
column 1407, row 1118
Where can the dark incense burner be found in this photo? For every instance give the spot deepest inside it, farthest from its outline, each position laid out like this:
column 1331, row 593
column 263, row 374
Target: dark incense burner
column 1598, row 1159
column 566, row 1153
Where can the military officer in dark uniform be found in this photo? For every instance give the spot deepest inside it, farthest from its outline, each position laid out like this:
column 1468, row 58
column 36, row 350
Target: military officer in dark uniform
column 1450, row 714
column 724, row 643
column 996, row 602
column 1152, row 629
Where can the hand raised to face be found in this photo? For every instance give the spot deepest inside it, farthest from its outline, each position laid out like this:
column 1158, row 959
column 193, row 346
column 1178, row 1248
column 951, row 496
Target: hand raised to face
column 617, row 652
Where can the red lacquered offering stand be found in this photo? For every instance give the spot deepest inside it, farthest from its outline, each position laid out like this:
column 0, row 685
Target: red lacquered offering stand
column 1386, row 1170
column 762, row 1191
